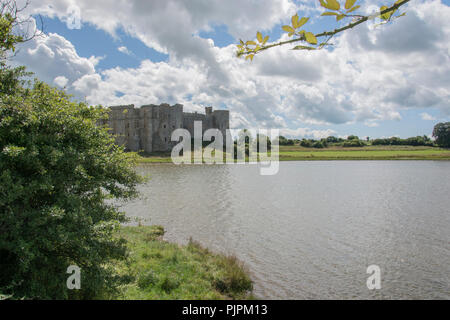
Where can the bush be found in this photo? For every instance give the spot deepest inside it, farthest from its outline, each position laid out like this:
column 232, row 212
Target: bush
column 285, row 142
column 413, row 141
column 57, row 168
column 306, row 143
column 354, row 143
column 318, row 145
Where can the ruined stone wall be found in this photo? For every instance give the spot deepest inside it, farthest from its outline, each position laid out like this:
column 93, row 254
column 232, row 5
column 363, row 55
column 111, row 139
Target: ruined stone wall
column 190, row 118
column 149, row 128
column 221, row 121
column 122, row 121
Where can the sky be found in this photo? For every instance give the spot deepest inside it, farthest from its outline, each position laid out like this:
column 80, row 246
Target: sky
column 392, row 80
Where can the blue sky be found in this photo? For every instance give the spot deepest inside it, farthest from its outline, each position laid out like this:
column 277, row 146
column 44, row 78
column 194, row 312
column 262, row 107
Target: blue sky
column 135, row 55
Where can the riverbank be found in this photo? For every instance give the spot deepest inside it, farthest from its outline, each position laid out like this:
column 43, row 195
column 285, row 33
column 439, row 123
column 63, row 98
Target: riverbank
column 298, row 153
column 163, row 270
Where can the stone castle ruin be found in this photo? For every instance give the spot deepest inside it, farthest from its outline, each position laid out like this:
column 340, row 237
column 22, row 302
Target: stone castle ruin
column 149, row 128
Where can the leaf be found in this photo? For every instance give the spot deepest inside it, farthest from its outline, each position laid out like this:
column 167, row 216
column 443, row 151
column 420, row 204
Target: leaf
column 386, row 15
column 250, row 56
column 303, row 21
column 340, row 17
column 353, row 9
column 328, row 13
column 349, row 4
column 303, row 48
column 288, row 29
column 295, row 21
column 266, row 38
column 259, row 37
column 311, row 38
column 250, row 43
column 330, row 4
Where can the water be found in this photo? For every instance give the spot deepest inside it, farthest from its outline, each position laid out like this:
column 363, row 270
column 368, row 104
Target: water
column 312, row 230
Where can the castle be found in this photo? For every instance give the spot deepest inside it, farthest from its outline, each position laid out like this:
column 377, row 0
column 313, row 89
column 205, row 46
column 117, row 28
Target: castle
column 149, row 128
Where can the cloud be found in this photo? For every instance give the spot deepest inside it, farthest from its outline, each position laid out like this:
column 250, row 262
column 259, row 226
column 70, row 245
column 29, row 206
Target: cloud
column 369, row 76
column 124, row 50
column 427, row 117
column 53, row 58
column 61, row 81
column 307, row 133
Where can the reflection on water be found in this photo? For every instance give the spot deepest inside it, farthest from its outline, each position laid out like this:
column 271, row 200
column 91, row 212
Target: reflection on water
column 312, row 230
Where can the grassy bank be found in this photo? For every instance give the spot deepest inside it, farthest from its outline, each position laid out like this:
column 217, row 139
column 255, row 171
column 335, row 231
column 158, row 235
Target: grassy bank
column 298, row 153
column 162, row 270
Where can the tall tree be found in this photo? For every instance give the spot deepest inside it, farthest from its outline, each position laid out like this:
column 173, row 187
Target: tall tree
column 442, row 134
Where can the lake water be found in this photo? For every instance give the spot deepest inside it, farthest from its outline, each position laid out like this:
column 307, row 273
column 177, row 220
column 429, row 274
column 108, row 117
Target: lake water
column 311, row 231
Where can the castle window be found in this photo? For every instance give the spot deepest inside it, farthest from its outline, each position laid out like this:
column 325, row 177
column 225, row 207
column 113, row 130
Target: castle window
column 165, row 139
column 164, row 126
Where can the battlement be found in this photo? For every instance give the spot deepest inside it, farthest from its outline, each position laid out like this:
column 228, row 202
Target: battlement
column 150, row 127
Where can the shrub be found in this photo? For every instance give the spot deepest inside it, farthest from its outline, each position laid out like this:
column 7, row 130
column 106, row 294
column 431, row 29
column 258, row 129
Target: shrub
column 354, row 143
column 57, row 169
column 318, row 145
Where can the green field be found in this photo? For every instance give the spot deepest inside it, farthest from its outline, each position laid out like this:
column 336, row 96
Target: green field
column 297, row 153
column 291, row 153
column 163, row 270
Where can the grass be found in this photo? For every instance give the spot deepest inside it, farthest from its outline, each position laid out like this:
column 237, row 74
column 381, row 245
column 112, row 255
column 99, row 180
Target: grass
column 163, row 270
column 298, row 153
column 295, row 153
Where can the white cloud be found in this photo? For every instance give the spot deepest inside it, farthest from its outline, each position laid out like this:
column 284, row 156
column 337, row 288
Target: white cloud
column 125, row 50
column 427, row 117
column 307, row 133
column 52, row 56
column 368, row 77
column 61, row 81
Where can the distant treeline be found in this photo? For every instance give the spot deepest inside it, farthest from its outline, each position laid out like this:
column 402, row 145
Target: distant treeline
column 355, row 141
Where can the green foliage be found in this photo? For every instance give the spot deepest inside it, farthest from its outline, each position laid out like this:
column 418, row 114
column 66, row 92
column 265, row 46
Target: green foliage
column 8, row 39
column 353, row 143
column 250, row 48
column 57, row 169
column 285, row 142
column 395, row 141
column 442, row 134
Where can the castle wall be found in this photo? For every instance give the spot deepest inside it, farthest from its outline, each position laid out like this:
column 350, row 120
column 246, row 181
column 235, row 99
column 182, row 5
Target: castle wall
column 149, row 128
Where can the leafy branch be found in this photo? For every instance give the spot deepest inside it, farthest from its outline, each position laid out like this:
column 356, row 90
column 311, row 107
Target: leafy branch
column 250, row 48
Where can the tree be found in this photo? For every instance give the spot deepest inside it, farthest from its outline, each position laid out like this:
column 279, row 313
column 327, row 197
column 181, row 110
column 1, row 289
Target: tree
column 309, row 40
column 442, row 134
column 283, row 141
column 58, row 168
